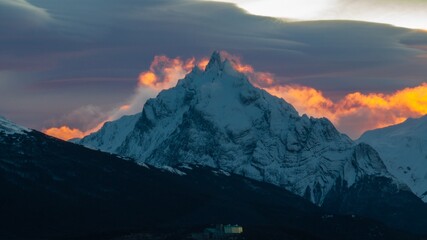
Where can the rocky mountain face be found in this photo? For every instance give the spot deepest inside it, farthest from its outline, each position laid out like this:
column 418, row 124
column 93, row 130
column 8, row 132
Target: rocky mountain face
column 216, row 118
column 403, row 147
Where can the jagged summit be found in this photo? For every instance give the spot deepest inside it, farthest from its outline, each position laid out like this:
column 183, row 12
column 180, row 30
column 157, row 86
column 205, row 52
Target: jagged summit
column 216, row 61
column 219, row 63
column 217, row 118
column 217, row 66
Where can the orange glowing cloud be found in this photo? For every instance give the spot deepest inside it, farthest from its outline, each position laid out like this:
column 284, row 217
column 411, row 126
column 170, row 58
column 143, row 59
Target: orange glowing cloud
column 124, row 107
column 305, row 99
column 353, row 114
column 165, row 72
column 357, row 112
column 203, row 63
column 259, row 79
column 64, row 133
column 147, row 79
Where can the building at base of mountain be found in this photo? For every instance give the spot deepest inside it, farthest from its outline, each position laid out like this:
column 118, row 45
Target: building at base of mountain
column 220, row 232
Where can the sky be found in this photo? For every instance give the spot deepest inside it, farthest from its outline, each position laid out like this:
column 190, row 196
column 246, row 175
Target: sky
column 402, row 13
column 68, row 66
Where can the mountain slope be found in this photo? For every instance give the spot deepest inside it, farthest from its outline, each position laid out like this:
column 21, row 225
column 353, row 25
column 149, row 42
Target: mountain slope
column 9, row 128
column 403, row 147
column 55, row 189
column 112, row 134
column 217, row 118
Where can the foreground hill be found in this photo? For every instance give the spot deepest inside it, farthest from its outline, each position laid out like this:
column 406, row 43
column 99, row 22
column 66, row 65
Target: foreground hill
column 55, row 189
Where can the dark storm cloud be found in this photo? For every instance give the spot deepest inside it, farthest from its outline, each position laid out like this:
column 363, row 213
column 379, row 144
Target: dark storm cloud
column 80, row 53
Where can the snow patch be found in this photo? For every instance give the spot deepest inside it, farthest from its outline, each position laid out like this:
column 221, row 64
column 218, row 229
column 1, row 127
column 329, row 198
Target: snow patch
column 186, row 167
column 221, row 172
column 173, row 170
column 143, row 165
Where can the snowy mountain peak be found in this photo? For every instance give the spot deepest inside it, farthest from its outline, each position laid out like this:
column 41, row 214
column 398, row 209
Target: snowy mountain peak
column 215, row 62
column 217, row 118
column 7, row 127
column 219, row 64
column 403, row 148
column 412, row 126
column 415, row 125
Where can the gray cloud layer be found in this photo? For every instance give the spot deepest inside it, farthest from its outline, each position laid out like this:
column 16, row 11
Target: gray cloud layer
column 61, row 55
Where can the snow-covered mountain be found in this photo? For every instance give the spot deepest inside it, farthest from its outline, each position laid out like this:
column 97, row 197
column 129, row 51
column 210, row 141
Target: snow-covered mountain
column 403, row 147
column 217, row 118
column 52, row 189
column 9, row 128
